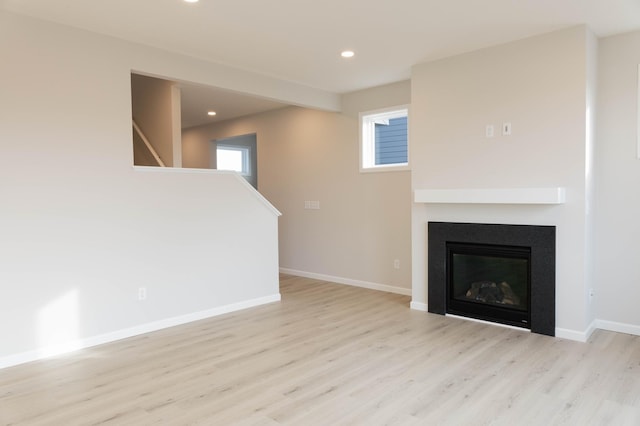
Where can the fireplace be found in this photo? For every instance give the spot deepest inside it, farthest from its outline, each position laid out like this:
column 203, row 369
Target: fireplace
column 489, row 282
column 493, row 272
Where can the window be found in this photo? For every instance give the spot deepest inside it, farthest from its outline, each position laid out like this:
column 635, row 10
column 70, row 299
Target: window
column 237, row 153
column 234, row 158
column 384, row 139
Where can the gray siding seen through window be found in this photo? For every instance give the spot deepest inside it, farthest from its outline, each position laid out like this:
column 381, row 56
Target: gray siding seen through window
column 391, row 141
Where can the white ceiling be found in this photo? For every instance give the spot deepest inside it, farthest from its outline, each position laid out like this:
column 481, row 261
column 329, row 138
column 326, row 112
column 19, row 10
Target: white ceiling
column 300, row 40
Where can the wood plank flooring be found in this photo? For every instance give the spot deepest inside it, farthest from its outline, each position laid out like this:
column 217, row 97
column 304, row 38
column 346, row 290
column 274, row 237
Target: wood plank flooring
column 332, row 355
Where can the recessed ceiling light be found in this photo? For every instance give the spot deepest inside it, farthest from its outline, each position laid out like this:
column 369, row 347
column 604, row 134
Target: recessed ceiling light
column 211, row 113
column 347, row 54
column 191, row 1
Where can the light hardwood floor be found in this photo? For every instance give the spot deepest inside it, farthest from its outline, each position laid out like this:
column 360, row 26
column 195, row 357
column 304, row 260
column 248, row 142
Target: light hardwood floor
column 332, row 355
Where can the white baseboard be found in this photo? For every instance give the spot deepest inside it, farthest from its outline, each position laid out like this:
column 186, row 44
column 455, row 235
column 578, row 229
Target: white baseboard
column 578, row 336
column 583, row 336
column 348, row 281
column 618, row 327
column 592, row 327
column 42, row 353
column 419, row 306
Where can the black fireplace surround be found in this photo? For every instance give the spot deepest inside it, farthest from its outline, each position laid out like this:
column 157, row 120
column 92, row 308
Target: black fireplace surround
column 540, row 241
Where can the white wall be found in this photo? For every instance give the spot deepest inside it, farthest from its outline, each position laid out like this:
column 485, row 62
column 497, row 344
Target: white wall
column 308, row 155
column 540, row 86
column 617, row 276
column 81, row 230
column 590, row 176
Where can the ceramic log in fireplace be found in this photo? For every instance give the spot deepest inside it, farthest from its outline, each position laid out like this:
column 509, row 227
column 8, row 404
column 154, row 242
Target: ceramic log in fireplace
column 493, row 272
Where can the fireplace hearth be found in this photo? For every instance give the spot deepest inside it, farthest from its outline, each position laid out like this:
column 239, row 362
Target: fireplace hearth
column 493, row 272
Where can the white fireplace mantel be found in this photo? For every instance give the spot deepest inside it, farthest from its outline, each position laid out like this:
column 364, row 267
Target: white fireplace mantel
column 491, row 196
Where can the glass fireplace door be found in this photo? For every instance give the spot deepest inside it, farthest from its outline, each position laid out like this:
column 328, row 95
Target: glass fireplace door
column 489, row 282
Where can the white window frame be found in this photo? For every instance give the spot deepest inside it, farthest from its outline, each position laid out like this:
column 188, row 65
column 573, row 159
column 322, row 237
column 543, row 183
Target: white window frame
column 246, row 156
column 368, row 120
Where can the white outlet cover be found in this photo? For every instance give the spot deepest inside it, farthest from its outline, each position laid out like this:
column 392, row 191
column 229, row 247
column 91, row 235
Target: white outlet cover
column 489, row 131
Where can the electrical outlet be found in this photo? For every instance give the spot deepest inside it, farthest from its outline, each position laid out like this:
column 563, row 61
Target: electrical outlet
column 396, row 264
column 142, row 293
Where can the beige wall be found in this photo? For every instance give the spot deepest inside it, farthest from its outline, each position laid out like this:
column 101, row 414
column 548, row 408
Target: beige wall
column 152, row 108
column 617, row 276
column 363, row 223
column 389, row 95
column 540, row 86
